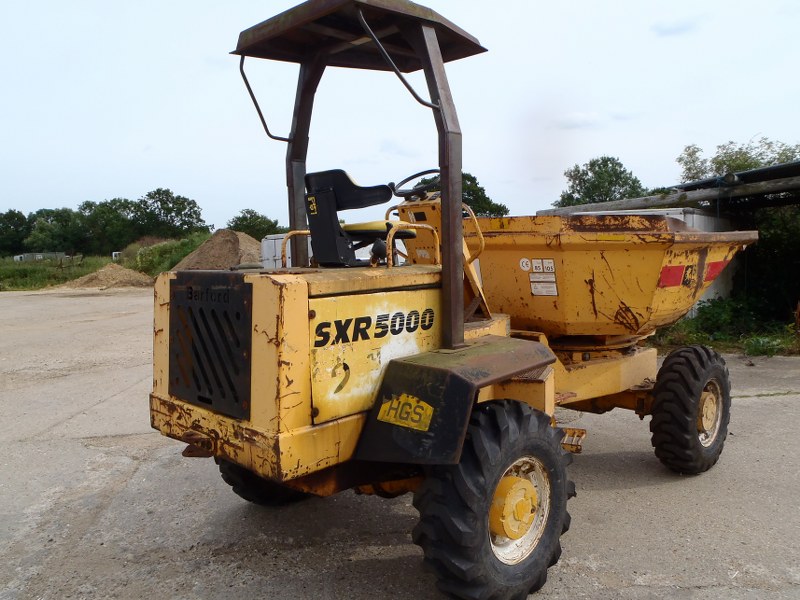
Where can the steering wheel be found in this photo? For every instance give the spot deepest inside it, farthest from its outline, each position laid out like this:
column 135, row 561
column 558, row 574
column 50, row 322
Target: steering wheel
column 417, row 190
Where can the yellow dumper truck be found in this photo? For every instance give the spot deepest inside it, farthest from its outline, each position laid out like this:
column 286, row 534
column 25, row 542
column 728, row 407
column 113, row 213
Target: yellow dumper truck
column 436, row 365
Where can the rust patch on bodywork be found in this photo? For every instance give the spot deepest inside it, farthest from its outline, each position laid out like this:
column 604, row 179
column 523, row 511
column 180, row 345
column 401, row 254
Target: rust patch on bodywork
column 616, row 223
column 627, row 318
column 223, row 437
column 199, row 445
column 590, row 283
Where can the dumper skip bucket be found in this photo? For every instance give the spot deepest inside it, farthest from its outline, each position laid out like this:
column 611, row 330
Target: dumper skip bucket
column 608, row 276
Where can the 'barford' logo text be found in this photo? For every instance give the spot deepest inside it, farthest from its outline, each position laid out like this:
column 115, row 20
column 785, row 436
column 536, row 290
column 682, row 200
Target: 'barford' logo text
column 221, row 295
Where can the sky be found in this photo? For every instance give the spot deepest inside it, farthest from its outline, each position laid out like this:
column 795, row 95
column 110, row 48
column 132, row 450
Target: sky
column 102, row 100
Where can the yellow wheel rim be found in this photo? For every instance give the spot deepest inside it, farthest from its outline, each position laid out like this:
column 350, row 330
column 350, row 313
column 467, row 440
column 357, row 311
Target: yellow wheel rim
column 513, row 507
column 519, row 510
column 709, row 413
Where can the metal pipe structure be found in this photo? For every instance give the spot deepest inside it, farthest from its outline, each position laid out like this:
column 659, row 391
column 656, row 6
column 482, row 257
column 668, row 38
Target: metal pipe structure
column 693, row 198
column 426, row 44
column 297, row 151
column 401, row 37
column 782, row 171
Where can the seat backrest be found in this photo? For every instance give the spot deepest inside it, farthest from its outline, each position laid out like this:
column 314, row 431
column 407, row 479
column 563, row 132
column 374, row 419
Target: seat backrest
column 348, row 194
column 328, row 193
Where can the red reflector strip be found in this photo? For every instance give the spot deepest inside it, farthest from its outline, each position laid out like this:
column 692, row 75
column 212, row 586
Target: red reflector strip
column 671, row 276
column 715, row 268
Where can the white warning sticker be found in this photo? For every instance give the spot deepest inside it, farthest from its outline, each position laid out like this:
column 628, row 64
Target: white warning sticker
column 543, row 277
column 543, row 288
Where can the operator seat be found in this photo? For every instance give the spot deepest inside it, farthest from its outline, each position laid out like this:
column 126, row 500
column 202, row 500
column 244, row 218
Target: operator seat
column 334, row 245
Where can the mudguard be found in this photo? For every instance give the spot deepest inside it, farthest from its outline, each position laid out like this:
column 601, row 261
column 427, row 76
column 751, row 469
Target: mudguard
column 423, row 405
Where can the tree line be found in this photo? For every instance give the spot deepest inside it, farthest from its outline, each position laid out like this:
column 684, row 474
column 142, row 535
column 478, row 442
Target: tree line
column 100, row 228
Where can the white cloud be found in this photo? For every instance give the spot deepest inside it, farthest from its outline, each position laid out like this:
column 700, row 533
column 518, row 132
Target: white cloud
column 579, row 120
column 676, row 27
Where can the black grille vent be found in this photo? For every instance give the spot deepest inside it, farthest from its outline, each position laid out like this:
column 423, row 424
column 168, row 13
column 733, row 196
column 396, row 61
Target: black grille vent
column 210, row 325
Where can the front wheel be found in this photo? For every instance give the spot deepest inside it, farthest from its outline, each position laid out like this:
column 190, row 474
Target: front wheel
column 490, row 526
column 691, row 409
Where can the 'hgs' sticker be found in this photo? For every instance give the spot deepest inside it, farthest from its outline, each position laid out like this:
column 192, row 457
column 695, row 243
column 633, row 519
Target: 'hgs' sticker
column 406, row 411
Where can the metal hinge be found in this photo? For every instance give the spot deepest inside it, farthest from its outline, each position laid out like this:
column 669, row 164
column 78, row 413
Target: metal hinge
column 573, row 439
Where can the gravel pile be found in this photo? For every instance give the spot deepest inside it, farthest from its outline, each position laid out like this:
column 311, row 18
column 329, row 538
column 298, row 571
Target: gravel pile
column 111, row 276
column 223, row 250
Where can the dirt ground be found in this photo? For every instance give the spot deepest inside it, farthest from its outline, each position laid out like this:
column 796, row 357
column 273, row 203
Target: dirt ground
column 93, row 504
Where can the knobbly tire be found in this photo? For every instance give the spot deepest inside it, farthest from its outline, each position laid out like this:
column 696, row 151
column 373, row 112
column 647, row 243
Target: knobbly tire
column 691, row 409
column 510, row 449
column 253, row 488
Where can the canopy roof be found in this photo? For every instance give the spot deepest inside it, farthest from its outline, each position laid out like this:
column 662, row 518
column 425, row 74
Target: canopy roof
column 332, row 27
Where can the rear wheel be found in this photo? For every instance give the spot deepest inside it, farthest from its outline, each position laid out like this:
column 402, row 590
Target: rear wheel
column 253, row 488
column 490, row 526
column 691, row 409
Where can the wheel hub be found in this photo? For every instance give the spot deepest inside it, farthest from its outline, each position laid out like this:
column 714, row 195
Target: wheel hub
column 709, row 414
column 513, row 507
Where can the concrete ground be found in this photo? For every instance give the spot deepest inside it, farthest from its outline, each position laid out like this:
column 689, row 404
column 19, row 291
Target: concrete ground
column 93, row 504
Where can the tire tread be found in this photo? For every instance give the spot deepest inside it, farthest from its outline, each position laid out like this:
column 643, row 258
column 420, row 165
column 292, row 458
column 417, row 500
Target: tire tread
column 450, row 530
column 679, row 383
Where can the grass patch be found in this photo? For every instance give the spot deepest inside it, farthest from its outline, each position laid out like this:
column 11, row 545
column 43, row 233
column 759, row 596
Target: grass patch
column 35, row 275
column 730, row 325
column 785, row 342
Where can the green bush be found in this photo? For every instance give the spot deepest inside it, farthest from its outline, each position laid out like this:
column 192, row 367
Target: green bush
column 726, row 318
column 731, row 324
column 128, row 256
column 163, row 256
column 682, row 333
